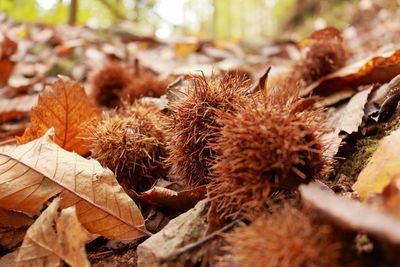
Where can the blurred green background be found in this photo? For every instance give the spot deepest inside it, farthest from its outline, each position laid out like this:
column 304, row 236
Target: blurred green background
column 218, row 19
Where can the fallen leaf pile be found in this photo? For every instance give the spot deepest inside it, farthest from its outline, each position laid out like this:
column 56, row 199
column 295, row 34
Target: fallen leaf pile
column 41, row 169
column 44, row 245
column 126, row 150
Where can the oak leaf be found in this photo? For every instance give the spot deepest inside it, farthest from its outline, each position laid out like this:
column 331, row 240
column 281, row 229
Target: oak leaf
column 65, row 106
column 45, row 246
column 32, row 173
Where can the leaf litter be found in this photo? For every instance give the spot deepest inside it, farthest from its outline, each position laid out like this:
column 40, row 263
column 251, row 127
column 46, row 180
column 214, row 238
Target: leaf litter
column 115, row 154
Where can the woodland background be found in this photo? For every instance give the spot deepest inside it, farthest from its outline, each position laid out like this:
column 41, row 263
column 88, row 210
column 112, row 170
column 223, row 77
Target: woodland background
column 253, row 20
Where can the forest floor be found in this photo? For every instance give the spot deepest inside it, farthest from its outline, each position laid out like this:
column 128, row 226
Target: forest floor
column 125, row 150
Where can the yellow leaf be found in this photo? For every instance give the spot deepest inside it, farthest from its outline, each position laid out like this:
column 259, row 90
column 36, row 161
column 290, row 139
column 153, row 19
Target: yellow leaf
column 383, row 165
column 183, row 50
column 32, row 173
column 45, row 246
column 65, row 106
column 23, row 33
column 389, row 199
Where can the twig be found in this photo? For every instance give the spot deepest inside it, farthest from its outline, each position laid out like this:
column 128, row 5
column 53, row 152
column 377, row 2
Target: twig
column 200, row 242
column 101, row 254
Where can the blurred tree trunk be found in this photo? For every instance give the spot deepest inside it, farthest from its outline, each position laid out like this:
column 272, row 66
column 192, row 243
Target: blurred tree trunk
column 214, row 20
column 136, row 9
column 73, row 10
column 114, row 10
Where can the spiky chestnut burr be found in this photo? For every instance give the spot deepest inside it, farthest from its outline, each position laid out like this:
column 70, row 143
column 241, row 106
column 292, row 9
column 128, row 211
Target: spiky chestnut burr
column 262, row 149
column 132, row 144
column 194, row 124
column 324, row 53
column 287, row 237
column 108, row 83
column 115, row 84
column 143, row 85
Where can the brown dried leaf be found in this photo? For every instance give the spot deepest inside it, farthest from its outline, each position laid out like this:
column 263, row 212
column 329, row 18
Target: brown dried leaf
column 167, row 198
column 177, row 89
column 380, row 69
column 352, row 215
column 323, row 34
column 156, row 220
column 375, row 101
column 12, row 228
column 351, row 118
column 34, row 172
column 9, row 47
column 46, row 245
column 11, row 91
column 65, row 106
column 11, row 109
column 9, row 130
column 13, row 219
column 9, row 238
column 9, row 259
column 391, row 99
column 261, row 85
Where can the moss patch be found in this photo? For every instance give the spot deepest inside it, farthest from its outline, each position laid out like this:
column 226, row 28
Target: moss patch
column 353, row 165
column 363, row 149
